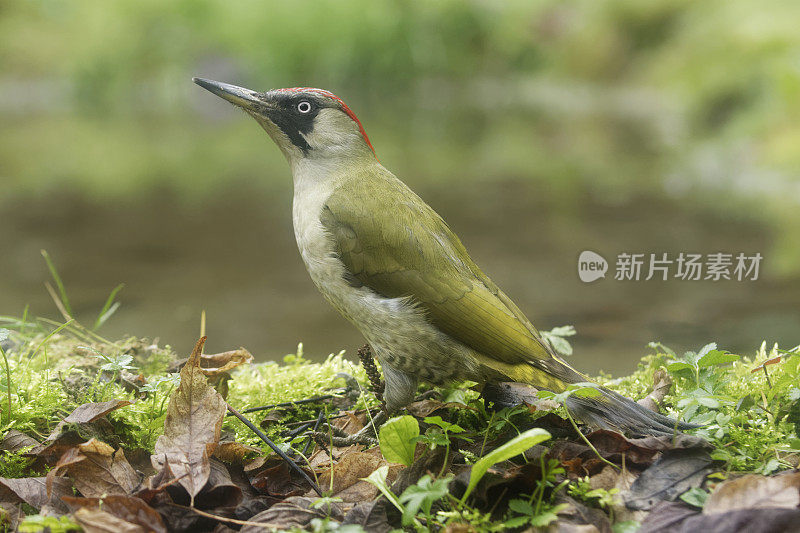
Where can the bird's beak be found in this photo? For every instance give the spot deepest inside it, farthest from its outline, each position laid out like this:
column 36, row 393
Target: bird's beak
column 244, row 98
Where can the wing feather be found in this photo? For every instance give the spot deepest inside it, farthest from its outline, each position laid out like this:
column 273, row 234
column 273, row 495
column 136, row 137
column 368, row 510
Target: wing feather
column 414, row 253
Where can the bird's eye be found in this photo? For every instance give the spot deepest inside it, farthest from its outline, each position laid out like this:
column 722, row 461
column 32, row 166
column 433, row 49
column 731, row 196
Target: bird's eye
column 304, row 107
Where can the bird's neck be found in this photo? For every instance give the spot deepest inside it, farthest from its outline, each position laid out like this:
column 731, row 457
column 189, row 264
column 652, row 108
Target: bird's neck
column 325, row 173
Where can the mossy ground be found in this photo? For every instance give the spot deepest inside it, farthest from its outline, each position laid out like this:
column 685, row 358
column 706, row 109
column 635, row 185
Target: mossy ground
column 749, row 413
column 748, row 407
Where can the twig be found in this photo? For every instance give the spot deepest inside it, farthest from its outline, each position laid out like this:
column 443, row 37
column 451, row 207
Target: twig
column 320, row 417
column 289, row 404
column 275, row 449
column 221, row 518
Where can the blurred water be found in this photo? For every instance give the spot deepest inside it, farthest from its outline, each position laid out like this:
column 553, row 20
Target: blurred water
column 235, row 257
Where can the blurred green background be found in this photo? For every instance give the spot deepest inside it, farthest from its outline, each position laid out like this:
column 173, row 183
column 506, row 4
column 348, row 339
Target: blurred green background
column 538, row 129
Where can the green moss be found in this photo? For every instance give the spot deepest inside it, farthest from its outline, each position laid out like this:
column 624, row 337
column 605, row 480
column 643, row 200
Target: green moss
column 750, row 417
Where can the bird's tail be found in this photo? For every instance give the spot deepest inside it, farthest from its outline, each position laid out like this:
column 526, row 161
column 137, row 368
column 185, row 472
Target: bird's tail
column 613, row 411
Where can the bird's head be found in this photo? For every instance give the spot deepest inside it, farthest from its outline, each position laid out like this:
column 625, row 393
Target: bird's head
column 305, row 123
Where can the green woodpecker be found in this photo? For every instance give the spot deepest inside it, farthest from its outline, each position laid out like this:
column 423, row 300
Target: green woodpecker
column 387, row 262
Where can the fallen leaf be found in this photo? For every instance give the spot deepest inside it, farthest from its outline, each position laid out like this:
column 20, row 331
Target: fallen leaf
column 349, row 470
column 16, row 441
column 755, row 492
column 424, row 408
column 97, row 521
column 33, row 491
column 771, row 361
column 234, row 452
column 351, row 422
column 579, row 518
column 295, row 512
column 89, row 412
column 220, row 490
column 277, row 480
column 213, row 364
column 348, row 476
column 674, row 517
column 371, row 516
column 96, row 470
column 129, row 509
column 192, row 427
column 670, row 476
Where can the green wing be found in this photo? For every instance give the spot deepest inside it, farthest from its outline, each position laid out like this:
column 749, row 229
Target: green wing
column 410, row 251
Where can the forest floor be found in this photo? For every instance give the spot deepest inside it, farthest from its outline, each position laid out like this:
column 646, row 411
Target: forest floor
column 126, row 435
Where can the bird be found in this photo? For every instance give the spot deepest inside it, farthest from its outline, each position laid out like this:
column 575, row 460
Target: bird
column 386, row 261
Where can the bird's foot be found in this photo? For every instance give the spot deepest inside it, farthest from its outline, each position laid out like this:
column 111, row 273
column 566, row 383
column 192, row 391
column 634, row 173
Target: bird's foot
column 366, row 435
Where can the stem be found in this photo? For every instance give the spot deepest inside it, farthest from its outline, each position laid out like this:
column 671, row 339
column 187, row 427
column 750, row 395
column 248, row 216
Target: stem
column 275, row 448
column 486, row 435
column 446, row 454
column 589, row 444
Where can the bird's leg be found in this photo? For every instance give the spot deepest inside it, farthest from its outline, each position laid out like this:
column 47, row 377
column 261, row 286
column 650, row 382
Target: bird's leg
column 367, row 434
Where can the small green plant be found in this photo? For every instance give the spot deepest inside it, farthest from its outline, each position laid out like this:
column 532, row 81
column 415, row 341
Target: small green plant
column 38, row 523
column 397, row 438
column 514, row 447
column 421, row 497
column 557, row 337
column 538, row 510
column 602, row 498
column 439, row 435
column 585, row 390
column 695, row 496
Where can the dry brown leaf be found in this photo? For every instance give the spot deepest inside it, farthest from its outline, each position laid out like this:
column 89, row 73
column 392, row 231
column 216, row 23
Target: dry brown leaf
column 349, row 471
column 192, row 427
column 214, row 364
column 97, row 521
column 89, row 412
column 293, row 513
column 234, row 452
column 277, row 480
column 96, row 470
column 129, row 509
column 15, row 441
column 754, row 491
column 424, row 408
column 351, row 422
column 33, row 491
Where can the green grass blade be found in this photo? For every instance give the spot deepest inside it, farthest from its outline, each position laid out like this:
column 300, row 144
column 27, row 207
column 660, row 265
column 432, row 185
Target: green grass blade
column 62, row 292
column 108, row 308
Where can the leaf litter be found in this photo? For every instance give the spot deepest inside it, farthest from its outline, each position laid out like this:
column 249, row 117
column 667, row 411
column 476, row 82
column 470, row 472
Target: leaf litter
column 427, row 471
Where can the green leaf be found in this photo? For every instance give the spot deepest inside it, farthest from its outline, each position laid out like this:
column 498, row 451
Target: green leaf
column 378, row 479
column 109, row 308
column 709, row 402
column 517, row 521
column 422, row 495
column 62, row 292
column 696, row 497
column 447, row 426
column 521, row 507
column 515, row 446
column 678, row 365
column 556, row 339
column 397, row 439
column 716, row 357
column 658, row 347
